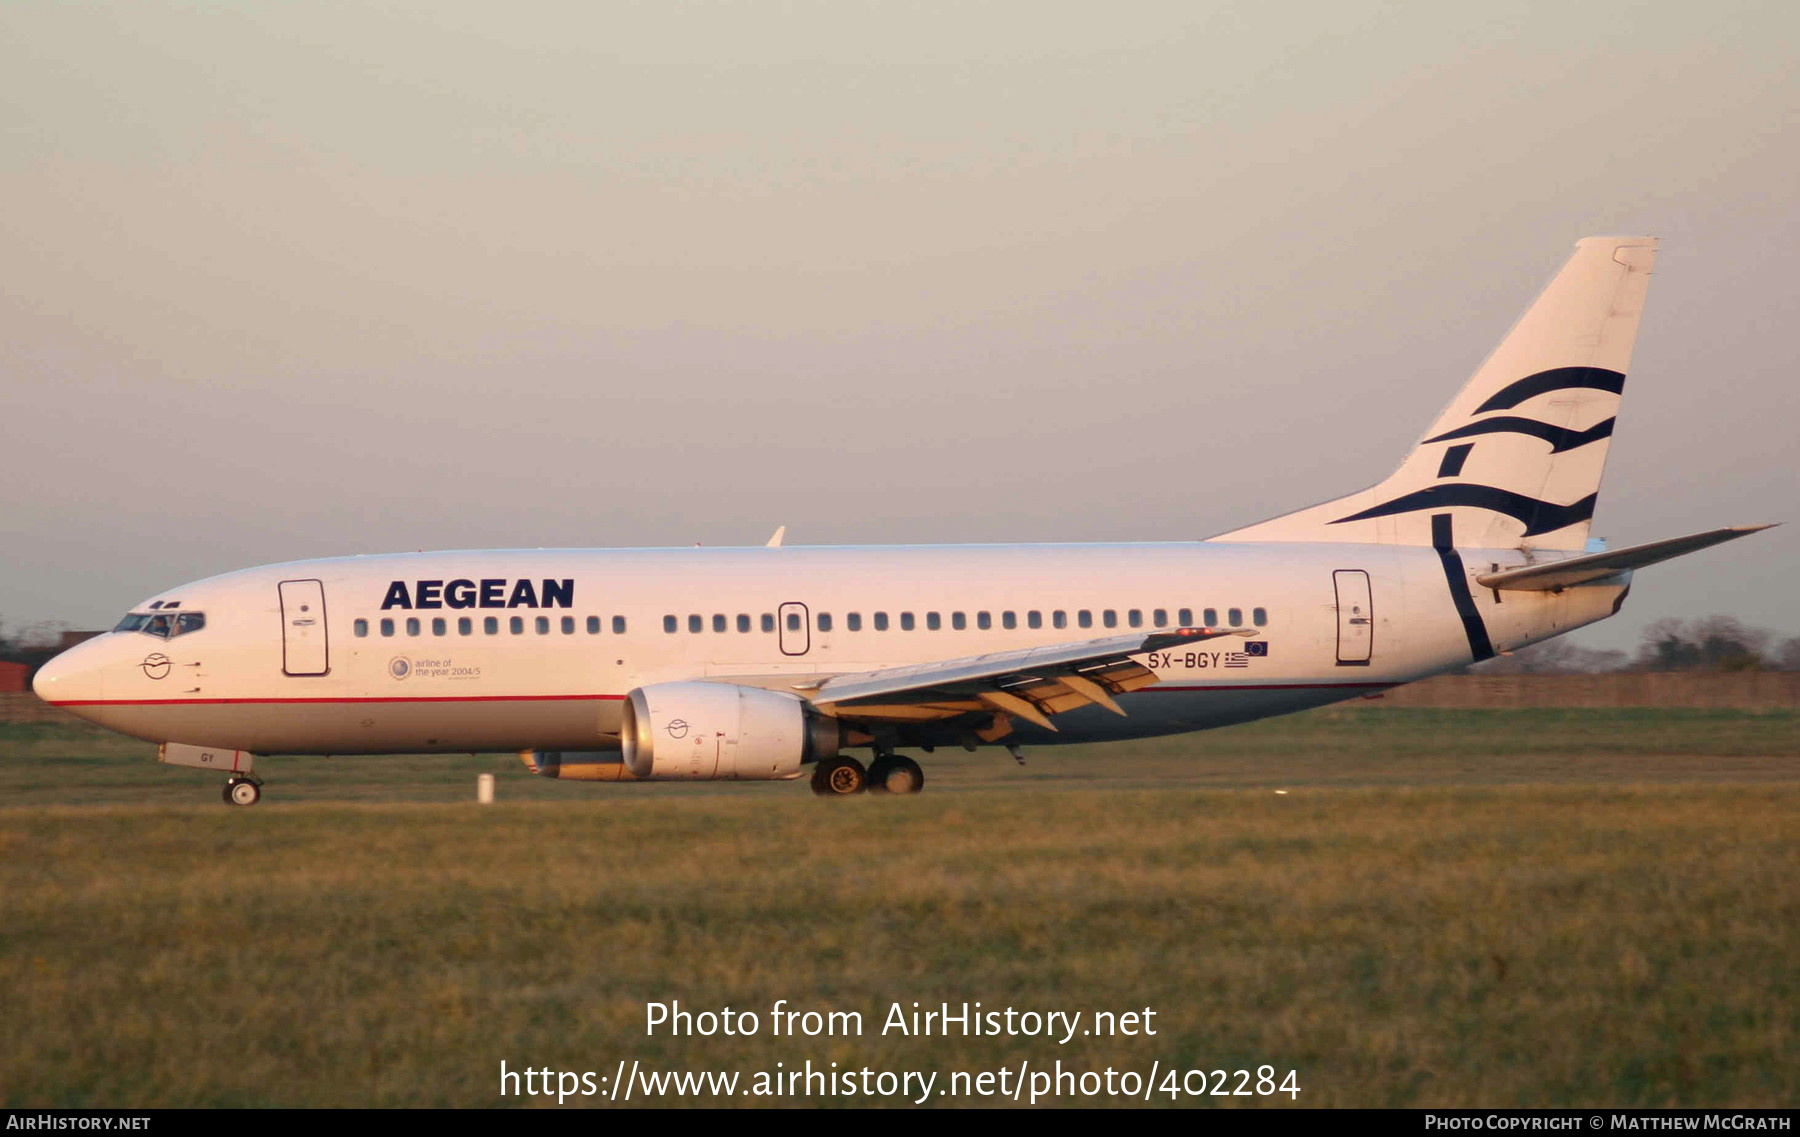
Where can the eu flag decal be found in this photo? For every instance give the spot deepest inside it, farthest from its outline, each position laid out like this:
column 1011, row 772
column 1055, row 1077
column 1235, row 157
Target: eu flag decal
column 1256, row 647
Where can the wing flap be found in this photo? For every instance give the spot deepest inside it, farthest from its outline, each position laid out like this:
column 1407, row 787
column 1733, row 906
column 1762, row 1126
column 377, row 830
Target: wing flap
column 1030, row 683
column 1597, row 566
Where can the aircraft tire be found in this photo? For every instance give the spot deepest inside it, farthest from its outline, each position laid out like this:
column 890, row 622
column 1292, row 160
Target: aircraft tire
column 898, row 775
column 878, row 773
column 240, row 792
column 839, row 777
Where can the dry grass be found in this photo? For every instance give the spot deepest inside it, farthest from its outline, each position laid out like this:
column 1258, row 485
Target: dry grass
column 1445, row 947
column 1453, row 944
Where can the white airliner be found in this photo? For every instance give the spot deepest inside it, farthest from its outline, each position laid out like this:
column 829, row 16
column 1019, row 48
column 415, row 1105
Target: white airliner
column 751, row 664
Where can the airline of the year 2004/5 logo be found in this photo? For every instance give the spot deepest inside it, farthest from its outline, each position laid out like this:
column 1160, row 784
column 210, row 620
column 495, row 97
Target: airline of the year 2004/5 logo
column 404, row 667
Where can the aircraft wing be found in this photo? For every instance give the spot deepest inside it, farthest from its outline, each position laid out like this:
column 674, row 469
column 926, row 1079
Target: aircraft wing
column 1580, row 570
column 1030, row 683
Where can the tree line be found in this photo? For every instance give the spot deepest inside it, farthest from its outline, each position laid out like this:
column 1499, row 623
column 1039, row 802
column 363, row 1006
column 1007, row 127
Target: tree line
column 1705, row 643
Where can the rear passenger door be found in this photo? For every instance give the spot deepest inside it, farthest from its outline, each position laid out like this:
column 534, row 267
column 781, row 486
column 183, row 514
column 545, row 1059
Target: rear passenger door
column 1355, row 618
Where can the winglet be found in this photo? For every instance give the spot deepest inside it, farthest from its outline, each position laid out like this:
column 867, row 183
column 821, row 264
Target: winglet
column 775, row 541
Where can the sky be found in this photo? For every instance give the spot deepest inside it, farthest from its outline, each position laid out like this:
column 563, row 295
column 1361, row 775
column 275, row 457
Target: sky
column 281, row 281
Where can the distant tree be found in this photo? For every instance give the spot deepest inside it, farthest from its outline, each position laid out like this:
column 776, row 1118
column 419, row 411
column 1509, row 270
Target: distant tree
column 32, row 645
column 1786, row 655
column 1552, row 657
column 1710, row 643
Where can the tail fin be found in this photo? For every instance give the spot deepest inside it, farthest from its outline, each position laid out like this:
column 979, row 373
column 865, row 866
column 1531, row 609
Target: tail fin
column 1515, row 460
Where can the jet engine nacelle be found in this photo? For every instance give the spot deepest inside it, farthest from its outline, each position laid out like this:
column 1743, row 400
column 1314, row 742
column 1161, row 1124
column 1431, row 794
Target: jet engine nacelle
column 703, row 731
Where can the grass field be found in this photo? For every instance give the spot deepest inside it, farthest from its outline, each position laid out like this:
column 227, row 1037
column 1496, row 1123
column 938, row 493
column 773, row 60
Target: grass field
column 1445, row 908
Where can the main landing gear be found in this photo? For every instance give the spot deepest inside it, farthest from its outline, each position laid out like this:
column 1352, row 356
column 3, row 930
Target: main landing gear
column 243, row 791
column 842, row 776
column 895, row 774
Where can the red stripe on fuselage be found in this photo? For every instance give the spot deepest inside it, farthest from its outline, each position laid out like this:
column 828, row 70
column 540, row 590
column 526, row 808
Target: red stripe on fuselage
column 614, row 698
column 387, row 699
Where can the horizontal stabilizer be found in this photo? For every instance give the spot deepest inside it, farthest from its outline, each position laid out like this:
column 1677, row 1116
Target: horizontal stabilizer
column 1595, row 566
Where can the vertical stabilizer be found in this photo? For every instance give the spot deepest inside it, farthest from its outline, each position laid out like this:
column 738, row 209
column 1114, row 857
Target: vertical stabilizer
column 1516, row 459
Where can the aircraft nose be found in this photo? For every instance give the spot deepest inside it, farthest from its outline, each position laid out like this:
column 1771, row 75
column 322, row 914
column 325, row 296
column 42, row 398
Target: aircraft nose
column 74, row 677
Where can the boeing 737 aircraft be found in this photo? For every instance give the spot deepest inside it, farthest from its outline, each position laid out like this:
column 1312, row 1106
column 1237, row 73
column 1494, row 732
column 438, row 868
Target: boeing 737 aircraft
column 750, row 664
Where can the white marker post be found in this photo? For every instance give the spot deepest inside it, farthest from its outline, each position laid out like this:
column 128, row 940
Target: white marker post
column 484, row 789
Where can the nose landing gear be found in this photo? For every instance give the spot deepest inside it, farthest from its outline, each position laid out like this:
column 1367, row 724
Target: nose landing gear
column 243, row 791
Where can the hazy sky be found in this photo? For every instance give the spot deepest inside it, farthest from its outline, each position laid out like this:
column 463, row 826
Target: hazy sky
column 290, row 280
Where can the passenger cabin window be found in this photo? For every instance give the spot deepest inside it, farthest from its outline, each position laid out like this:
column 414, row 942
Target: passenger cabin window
column 983, row 620
column 465, row 626
column 360, row 628
column 1259, row 616
column 516, row 625
column 618, row 625
column 768, row 621
column 1135, row 618
column 696, row 624
column 1009, row 620
column 793, row 621
column 593, row 625
column 824, row 621
column 1237, row 617
column 568, row 625
column 1034, row 619
column 1212, row 617
column 720, row 623
column 1110, row 618
column 1160, row 617
column 387, row 627
column 881, row 623
column 933, row 621
column 439, row 626
column 743, row 621
column 543, row 625
column 491, row 625
column 1059, row 618
column 853, row 621
column 1185, row 617
column 412, row 625
column 669, row 624
column 906, row 621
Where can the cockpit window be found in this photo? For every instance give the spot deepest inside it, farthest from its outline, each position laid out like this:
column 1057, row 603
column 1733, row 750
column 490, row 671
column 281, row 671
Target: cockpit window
column 164, row 625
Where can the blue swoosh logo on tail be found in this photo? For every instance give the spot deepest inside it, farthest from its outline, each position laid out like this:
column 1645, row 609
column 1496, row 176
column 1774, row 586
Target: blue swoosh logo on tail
column 1556, row 379
column 1560, row 438
column 1537, row 516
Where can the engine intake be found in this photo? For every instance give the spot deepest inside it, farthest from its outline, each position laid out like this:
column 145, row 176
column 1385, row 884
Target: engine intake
column 720, row 731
